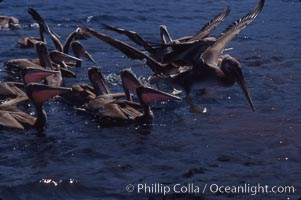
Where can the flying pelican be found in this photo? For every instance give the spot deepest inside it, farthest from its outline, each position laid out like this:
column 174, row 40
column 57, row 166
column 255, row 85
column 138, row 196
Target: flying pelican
column 205, row 70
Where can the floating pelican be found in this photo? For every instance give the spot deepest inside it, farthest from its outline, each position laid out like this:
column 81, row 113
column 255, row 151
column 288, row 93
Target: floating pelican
column 9, row 22
column 45, row 59
column 38, row 94
column 13, row 117
column 10, row 90
column 111, row 111
column 82, row 93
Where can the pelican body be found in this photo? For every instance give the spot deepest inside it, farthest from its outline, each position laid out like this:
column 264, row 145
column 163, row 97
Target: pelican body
column 110, row 110
column 13, row 117
column 205, row 64
column 9, row 22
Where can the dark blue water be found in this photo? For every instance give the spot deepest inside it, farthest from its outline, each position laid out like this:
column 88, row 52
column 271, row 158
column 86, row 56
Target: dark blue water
column 230, row 145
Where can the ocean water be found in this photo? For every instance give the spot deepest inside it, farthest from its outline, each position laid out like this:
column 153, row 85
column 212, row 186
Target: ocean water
column 229, row 145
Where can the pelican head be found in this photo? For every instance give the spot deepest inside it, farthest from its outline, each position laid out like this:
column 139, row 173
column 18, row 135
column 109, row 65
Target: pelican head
column 98, row 81
column 31, row 74
column 59, row 57
column 147, row 96
column 129, row 82
column 43, row 56
column 233, row 73
column 79, row 51
column 13, row 23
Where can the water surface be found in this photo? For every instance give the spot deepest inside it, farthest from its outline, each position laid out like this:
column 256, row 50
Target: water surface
column 230, row 145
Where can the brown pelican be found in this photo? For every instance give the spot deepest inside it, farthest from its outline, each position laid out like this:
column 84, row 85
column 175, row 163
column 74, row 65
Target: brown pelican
column 79, row 52
column 20, row 63
column 206, row 70
column 135, row 37
column 131, row 52
column 98, row 81
column 38, row 94
column 12, row 117
column 33, row 75
column 184, row 50
column 9, row 22
column 157, row 51
column 204, row 32
column 181, row 45
column 45, row 60
column 78, row 34
column 164, row 34
column 10, row 90
column 111, row 111
column 83, row 93
column 45, row 29
column 63, row 60
column 129, row 82
column 28, row 42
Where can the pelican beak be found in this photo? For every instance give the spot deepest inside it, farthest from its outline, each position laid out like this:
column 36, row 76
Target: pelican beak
column 79, row 51
column 67, row 73
column 58, row 57
column 42, row 53
column 37, row 17
column 31, row 75
column 81, row 34
column 129, row 80
column 88, row 56
column 148, row 95
column 241, row 82
column 164, row 34
column 40, row 93
column 98, row 80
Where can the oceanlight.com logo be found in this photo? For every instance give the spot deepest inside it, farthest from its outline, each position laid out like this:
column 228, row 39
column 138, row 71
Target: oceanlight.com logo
column 191, row 188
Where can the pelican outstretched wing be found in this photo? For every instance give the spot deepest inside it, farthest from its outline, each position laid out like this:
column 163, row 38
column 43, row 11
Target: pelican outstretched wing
column 211, row 55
